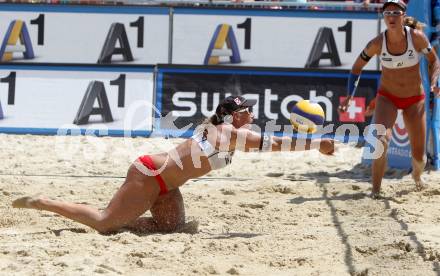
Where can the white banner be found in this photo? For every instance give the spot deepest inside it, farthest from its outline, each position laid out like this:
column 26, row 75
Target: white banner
column 49, row 99
column 275, row 40
column 81, row 35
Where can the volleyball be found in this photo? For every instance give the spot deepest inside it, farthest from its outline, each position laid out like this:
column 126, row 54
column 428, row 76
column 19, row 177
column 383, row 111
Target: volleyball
column 305, row 116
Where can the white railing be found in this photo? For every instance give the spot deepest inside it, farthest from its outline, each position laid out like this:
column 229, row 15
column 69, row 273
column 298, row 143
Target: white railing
column 347, row 5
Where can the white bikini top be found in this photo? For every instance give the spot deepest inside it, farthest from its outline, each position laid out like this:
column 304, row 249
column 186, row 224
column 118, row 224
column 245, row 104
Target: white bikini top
column 217, row 159
column 410, row 58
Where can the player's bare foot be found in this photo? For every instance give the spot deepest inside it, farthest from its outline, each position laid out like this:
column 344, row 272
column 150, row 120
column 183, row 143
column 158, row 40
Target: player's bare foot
column 418, row 167
column 420, row 185
column 376, row 195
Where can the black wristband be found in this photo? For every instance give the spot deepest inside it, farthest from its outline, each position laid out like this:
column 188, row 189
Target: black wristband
column 364, row 56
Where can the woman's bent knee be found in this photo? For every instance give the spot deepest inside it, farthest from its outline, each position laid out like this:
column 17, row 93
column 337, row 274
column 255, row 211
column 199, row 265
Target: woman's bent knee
column 105, row 228
column 381, row 147
column 106, row 225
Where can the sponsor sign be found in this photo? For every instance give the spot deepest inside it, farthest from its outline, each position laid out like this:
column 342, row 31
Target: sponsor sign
column 84, row 34
column 303, row 39
column 46, row 99
column 143, row 35
column 399, row 150
column 191, row 95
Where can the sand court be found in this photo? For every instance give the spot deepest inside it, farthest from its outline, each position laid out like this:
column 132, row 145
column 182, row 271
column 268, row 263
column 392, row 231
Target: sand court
column 267, row 214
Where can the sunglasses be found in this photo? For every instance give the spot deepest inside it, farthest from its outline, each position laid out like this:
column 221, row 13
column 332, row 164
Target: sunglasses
column 244, row 110
column 393, row 13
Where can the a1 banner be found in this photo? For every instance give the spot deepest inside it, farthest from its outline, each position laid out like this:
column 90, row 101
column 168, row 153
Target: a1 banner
column 46, row 100
column 269, row 38
column 83, row 34
column 191, row 95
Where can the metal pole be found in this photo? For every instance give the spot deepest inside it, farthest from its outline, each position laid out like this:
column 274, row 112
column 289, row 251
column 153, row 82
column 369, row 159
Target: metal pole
column 170, row 35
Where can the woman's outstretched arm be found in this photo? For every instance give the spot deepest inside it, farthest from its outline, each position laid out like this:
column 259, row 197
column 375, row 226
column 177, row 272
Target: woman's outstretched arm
column 247, row 140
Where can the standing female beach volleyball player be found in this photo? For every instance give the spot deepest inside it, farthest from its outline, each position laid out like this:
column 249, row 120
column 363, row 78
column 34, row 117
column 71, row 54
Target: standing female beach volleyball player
column 399, row 48
column 153, row 182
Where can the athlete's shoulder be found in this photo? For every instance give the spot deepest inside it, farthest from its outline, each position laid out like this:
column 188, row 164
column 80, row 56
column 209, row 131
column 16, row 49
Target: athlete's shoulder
column 374, row 45
column 419, row 39
column 378, row 39
column 225, row 127
column 415, row 33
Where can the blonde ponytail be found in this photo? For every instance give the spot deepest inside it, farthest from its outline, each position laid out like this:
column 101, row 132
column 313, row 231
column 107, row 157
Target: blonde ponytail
column 413, row 23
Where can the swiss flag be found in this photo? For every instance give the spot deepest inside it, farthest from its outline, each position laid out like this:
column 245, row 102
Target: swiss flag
column 355, row 111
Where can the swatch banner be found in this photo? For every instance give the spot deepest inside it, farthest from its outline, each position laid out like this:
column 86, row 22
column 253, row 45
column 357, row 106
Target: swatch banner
column 46, row 100
column 191, row 95
column 399, row 149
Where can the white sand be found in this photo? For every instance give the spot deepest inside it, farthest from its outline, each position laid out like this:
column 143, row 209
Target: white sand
column 276, row 214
